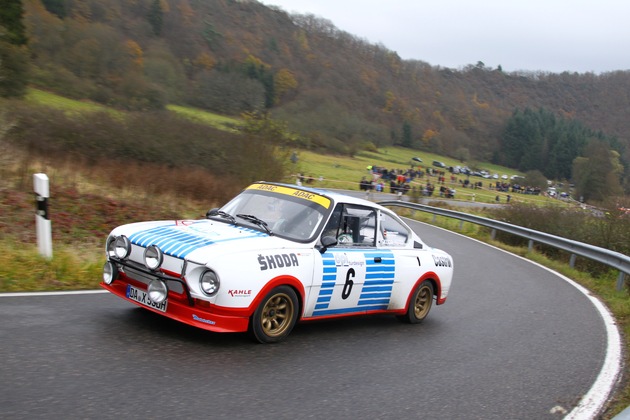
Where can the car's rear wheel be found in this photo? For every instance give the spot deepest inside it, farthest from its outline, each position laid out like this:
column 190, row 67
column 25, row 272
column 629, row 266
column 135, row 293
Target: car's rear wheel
column 420, row 303
column 275, row 317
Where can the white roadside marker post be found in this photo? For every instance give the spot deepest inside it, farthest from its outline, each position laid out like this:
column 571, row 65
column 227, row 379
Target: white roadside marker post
column 42, row 218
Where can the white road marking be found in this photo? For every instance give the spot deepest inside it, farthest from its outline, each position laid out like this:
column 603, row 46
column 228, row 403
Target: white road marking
column 70, row 292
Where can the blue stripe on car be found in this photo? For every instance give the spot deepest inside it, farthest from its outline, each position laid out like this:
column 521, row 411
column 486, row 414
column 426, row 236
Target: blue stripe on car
column 178, row 243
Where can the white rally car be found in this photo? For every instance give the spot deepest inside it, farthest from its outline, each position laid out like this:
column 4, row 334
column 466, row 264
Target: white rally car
column 276, row 254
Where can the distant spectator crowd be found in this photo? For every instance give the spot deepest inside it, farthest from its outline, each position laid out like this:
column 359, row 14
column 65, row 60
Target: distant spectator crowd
column 399, row 182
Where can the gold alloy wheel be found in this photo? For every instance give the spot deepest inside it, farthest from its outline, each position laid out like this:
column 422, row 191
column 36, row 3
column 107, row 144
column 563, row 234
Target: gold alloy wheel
column 277, row 315
column 424, row 299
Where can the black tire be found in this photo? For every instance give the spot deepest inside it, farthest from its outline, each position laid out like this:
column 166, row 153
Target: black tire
column 275, row 317
column 420, row 304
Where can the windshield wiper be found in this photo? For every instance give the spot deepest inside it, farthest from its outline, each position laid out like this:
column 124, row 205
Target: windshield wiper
column 255, row 220
column 221, row 213
column 227, row 216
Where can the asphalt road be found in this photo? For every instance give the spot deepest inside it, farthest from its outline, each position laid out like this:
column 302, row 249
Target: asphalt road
column 513, row 341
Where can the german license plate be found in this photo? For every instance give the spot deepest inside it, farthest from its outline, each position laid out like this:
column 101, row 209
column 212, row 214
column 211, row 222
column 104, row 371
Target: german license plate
column 142, row 297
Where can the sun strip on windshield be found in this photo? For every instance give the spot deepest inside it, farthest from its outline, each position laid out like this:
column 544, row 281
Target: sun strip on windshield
column 304, row 195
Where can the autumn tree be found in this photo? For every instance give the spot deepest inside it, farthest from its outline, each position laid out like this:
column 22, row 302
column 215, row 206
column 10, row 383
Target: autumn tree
column 163, row 69
column 535, row 178
column 261, row 124
column 56, row 7
column 14, row 67
column 596, row 175
column 284, row 82
column 227, row 92
column 407, row 137
column 11, row 14
column 14, row 62
column 156, row 17
column 256, row 69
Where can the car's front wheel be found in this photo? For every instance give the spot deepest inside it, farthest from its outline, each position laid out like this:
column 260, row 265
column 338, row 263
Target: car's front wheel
column 275, row 317
column 420, row 303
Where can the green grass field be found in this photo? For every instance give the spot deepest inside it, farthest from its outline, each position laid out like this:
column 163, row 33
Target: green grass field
column 218, row 121
column 70, row 106
column 343, row 172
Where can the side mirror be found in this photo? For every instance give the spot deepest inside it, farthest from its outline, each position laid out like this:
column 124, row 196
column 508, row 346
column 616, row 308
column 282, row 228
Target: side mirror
column 212, row 212
column 327, row 242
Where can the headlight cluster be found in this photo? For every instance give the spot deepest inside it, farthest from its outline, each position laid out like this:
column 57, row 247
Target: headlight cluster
column 119, row 248
column 209, row 282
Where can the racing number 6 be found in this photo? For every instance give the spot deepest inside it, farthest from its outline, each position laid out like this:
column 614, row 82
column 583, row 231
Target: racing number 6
column 347, row 287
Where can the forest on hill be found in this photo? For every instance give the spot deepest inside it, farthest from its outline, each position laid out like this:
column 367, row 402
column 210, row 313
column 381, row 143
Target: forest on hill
column 337, row 92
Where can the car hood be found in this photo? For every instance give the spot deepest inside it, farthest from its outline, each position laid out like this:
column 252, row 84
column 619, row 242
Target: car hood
column 191, row 239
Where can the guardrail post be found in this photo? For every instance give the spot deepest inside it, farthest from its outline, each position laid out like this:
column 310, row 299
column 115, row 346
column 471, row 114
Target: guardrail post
column 461, row 225
column 493, row 234
column 572, row 260
column 620, row 281
column 42, row 218
column 530, row 246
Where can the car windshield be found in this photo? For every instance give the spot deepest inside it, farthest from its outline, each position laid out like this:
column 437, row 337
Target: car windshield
column 280, row 210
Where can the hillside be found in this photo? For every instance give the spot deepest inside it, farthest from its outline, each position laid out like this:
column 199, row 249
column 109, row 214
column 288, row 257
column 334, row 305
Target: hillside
column 337, row 91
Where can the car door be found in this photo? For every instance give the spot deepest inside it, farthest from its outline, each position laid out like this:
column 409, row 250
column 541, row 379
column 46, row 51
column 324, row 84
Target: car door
column 411, row 259
column 356, row 276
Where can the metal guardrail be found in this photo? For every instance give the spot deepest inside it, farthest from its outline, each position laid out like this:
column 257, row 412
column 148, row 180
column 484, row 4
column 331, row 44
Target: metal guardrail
column 605, row 256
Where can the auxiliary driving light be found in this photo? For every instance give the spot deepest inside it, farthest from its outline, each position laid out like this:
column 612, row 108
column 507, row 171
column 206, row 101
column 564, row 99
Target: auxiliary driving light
column 110, row 272
column 153, row 257
column 157, row 291
column 122, row 247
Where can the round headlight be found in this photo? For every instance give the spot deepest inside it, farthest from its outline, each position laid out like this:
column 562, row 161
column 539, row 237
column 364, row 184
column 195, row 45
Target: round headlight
column 122, row 247
column 209, row 282
column 157, row 291
column 153, row 257
column 110, row 272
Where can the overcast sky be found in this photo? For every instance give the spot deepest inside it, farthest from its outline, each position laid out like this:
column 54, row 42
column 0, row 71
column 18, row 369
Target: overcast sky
column 533, row 35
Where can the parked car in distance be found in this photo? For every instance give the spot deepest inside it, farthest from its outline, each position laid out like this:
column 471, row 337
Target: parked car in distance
column 439, row 164
column 274, row 255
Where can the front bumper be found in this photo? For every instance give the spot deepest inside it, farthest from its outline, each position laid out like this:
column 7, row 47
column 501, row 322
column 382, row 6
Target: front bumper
column 183, row 308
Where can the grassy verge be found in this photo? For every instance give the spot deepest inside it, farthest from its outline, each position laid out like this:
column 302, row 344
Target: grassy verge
column 73, row 267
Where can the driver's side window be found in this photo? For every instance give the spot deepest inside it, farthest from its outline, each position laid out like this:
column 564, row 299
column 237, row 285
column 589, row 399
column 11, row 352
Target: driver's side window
column 352, row 226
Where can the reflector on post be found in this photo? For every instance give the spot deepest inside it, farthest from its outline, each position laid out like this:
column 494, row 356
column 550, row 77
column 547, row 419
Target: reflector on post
column 42, row 217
